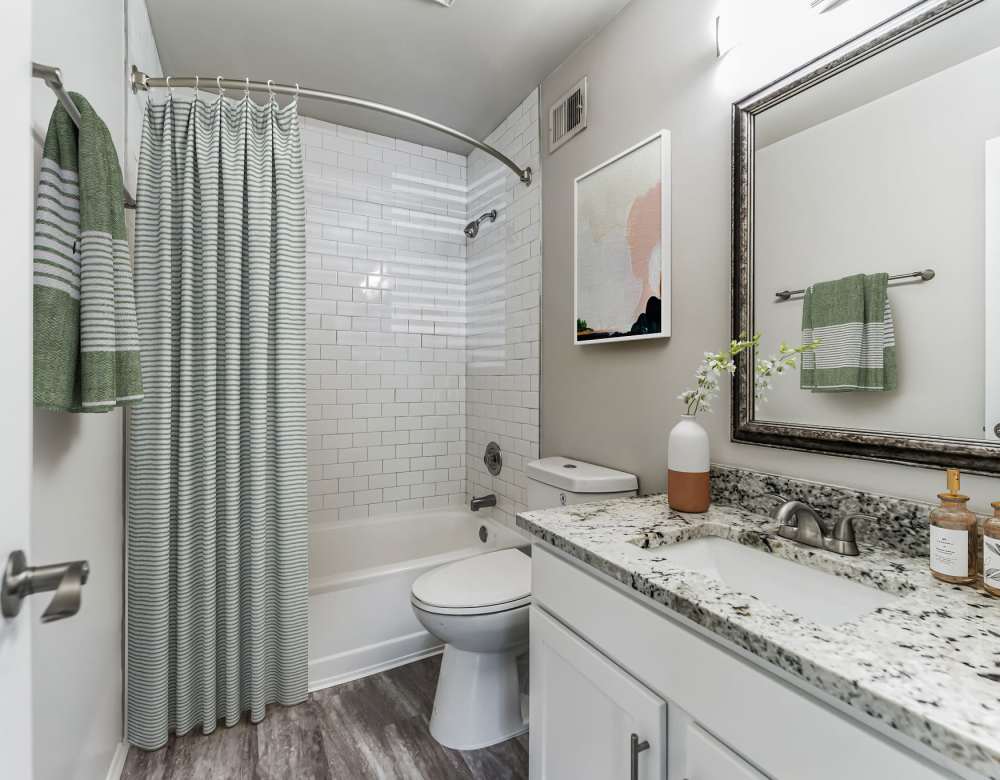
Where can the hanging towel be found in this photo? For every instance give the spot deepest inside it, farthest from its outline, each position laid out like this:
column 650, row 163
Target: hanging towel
column 86, row 347
column 852, row 319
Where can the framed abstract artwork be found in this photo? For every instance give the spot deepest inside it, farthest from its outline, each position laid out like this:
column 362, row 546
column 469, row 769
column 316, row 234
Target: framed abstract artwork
column 621, row 213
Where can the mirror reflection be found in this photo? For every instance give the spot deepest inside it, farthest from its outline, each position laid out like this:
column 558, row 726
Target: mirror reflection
column 877, row 218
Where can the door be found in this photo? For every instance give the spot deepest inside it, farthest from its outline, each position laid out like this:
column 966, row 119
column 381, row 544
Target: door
column 589, row 718
column 15, row 389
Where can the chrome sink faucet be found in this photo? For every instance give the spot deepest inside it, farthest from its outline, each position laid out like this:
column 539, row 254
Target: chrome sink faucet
column 801, row 523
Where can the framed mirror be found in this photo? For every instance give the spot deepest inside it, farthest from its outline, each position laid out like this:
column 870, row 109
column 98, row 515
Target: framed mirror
column 866, row 211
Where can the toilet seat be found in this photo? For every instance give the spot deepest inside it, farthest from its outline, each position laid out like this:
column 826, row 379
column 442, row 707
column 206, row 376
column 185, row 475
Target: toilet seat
column 483, row 584
column 491, row 609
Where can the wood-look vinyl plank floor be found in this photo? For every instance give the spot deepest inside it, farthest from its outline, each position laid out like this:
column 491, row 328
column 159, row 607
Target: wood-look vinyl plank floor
column 376, row 727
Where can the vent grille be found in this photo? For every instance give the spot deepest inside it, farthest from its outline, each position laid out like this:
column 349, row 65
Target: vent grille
column 568, row 115
column 822, row 6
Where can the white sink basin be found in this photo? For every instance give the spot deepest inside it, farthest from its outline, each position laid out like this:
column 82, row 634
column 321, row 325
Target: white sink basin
column 815, row 595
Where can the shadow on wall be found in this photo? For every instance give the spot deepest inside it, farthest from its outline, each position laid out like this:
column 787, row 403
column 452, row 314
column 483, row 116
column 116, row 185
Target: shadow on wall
column 54, row 434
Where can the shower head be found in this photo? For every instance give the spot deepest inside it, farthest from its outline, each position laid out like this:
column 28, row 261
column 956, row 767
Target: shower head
column 472, row 229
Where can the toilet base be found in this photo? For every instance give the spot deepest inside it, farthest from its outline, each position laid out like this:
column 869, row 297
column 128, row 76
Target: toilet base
column 478, row 700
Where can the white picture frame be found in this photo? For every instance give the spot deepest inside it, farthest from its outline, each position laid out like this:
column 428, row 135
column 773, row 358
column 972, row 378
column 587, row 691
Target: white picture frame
column 610, row 262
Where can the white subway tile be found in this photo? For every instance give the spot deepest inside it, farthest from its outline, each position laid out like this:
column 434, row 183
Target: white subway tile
column 392, row 287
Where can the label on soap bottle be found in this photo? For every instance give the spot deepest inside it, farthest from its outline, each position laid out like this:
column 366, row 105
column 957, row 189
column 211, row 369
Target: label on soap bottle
column 950, row 551
column 991, row 562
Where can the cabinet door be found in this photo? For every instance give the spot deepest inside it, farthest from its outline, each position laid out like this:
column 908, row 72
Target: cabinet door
column 585, row 709
column 708, row 759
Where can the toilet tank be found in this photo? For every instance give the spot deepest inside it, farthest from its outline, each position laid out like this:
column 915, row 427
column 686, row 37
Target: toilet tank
column 559, row 481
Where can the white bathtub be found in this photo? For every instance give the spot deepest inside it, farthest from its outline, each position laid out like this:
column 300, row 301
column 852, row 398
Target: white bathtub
column 360, row 574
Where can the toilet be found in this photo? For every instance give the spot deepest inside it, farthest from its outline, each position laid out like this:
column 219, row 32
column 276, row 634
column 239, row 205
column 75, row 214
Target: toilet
column 479, row 608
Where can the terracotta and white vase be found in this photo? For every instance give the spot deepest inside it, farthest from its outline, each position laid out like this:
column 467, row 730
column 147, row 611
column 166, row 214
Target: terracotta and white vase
column 688, row 466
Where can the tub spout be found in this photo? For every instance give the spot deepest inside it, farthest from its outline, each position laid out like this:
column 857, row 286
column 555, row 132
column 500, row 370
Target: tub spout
column 478, row 503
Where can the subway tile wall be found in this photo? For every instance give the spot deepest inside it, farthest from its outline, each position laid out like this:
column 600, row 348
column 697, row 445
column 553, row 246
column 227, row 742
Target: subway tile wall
column 504, row 310
column 421, row 348
column 385, row 307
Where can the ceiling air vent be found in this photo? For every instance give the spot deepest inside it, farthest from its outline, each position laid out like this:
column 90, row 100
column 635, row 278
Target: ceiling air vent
column 822, row 6
column 568, row 115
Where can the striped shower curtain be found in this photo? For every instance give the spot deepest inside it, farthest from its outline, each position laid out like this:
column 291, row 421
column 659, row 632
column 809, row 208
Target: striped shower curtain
column 217, row 495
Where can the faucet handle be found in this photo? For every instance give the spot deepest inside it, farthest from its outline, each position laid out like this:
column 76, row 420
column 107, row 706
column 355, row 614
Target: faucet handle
column 843, row 540
column 843, row 529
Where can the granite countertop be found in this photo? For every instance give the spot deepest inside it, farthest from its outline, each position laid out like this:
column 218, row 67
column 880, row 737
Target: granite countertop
column 928, row 665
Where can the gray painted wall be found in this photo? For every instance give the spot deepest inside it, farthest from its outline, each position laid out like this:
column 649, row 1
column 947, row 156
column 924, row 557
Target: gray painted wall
column 654, row 67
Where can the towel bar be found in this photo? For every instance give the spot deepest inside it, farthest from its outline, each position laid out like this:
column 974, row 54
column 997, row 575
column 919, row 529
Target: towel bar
column 925, row 276
column 52, row 77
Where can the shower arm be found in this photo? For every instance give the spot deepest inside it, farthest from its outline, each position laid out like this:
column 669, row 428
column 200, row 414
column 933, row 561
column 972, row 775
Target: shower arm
column 142, row 82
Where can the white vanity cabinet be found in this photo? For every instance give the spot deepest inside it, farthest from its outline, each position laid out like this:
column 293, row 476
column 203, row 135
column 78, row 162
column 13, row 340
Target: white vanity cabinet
column 589, row 719
column 703, row 757
column 607, row 663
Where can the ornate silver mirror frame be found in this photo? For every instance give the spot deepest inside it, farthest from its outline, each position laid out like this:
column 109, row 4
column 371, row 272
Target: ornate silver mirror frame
column 973, row 456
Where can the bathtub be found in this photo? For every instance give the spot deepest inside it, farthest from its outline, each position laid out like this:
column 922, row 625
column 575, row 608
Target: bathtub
column 360, row 574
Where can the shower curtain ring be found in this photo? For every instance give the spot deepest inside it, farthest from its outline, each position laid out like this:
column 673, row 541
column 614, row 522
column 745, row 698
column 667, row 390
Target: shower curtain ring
column 218, row 83
column 246, row 92
column 296, row 91
column 270, row 88
column 197, row 80
column 170, row 88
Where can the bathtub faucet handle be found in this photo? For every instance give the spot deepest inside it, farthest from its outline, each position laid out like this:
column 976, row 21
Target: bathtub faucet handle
column 482, row 501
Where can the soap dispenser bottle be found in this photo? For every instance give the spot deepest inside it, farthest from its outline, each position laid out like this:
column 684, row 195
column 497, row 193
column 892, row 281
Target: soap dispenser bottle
column 991, row 552
column 953, row 536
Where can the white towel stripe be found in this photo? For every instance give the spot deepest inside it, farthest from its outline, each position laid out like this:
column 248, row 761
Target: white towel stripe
column 51, row 166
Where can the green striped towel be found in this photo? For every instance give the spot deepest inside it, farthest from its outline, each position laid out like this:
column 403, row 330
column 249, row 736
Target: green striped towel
column 852, row 319
column 86, row 337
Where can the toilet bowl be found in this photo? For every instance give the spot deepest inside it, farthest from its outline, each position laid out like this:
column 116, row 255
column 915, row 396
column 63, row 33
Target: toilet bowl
column 479, row 608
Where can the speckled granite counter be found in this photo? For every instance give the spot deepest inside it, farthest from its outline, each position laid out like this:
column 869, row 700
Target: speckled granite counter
column 928, row 665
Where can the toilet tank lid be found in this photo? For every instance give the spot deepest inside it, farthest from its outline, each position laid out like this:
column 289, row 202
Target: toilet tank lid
column 579, row 477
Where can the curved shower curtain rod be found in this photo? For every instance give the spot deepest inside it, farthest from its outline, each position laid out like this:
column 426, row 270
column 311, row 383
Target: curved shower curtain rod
column 143, row 81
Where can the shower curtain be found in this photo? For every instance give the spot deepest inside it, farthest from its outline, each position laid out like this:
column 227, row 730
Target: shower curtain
column 217, row 495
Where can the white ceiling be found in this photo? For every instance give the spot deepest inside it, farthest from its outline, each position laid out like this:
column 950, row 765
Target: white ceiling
column 466, row 66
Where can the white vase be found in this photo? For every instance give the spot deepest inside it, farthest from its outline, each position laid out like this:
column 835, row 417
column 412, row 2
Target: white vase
column 688, row 458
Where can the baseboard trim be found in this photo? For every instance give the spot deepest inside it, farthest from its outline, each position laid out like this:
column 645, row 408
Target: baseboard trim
column 118, row 761
column 366, row 671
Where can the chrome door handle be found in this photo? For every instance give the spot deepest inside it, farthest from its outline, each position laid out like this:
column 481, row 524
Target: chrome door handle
column 20, row 581
column 635, row 748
